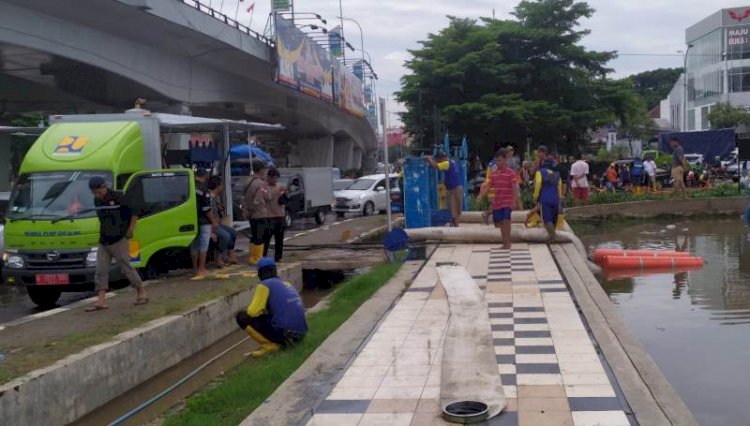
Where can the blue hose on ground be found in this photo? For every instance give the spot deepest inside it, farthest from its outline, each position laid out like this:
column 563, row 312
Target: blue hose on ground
column 122, row 419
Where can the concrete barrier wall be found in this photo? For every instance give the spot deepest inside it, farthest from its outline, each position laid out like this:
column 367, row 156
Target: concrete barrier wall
column 644, row 209
column 73, row 387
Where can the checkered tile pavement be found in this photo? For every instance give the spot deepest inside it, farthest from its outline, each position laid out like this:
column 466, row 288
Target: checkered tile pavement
column 550, row 370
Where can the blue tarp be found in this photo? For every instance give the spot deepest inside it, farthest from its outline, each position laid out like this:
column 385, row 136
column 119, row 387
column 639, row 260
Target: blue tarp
column 244, row 151
column 710, row 143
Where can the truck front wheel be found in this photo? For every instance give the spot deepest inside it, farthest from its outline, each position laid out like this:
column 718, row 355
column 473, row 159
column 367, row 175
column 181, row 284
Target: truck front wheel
column 320, row 217
column 45, row 298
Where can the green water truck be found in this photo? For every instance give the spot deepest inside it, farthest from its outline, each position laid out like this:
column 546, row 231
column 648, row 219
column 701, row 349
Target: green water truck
column 51, row 229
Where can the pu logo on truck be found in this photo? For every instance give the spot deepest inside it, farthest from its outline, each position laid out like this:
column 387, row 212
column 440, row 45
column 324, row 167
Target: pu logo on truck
column 71, row 145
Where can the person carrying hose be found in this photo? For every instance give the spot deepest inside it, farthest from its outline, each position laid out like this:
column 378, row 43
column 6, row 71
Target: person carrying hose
column 452, row 183
column 275, row 317
column 548, row 194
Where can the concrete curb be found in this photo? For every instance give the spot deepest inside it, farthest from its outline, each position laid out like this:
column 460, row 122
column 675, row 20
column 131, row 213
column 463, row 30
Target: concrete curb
column 294, row 401
column 78, row 384
column 651, row 208
column 652, row 398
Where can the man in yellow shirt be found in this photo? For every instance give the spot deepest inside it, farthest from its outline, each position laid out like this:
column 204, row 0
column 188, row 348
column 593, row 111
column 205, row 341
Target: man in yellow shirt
column 275, row 317
column 453, row 184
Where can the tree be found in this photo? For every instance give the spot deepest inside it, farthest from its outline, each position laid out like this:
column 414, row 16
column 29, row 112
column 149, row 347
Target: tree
column 725, row 115
column 495, row 79
column 655, row 85
column 396, row 152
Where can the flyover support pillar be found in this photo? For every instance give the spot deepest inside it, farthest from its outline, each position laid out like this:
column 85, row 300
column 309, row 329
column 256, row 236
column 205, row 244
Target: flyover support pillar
column 315, row 151
column 343, row 154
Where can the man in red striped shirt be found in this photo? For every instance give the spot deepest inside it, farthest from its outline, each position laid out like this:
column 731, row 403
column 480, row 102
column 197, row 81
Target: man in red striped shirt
column 501, row 181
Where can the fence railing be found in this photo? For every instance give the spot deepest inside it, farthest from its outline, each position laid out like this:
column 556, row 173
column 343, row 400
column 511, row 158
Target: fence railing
column 195, row 4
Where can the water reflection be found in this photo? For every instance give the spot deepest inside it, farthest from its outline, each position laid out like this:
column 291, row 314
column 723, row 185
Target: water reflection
column 724, row 282
column 694, row 323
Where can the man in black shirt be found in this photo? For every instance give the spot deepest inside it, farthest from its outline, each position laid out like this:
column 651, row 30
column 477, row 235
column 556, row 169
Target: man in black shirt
column 116, row 225
column 207, row 224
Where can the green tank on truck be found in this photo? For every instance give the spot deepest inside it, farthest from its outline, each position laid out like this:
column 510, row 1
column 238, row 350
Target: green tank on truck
column 51, row 230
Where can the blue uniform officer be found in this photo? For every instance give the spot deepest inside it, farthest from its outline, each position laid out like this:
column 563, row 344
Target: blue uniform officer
column 548, row 192
column 275, row 317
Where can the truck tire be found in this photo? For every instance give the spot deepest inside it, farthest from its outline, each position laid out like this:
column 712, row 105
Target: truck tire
column 320, row 217
column 288, row 219
column 45, row 298
column 368, row 209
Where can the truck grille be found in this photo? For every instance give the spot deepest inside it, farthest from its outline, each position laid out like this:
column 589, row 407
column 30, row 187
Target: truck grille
column 65, row 260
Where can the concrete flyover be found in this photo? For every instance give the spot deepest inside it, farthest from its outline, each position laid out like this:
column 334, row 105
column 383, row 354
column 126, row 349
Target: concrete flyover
column 103, row 53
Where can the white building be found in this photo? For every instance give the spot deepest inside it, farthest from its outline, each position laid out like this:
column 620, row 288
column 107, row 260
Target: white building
column 718, row 69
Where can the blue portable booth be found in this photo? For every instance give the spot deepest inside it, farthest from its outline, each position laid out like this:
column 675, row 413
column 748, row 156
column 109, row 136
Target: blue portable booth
column 421, row 183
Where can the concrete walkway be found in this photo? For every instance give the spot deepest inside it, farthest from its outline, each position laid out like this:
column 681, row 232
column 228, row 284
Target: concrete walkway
column 551, row 372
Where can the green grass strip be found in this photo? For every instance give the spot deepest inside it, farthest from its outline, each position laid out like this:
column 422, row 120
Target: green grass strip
column 232, row 398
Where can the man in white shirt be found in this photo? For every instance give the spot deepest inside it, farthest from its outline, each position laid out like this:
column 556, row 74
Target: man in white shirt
column 579, row 172
column 650, row 168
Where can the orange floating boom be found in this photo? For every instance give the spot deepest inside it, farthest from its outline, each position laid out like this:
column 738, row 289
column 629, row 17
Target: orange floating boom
column 640, row 262
column 601, row 253
column 618, row 274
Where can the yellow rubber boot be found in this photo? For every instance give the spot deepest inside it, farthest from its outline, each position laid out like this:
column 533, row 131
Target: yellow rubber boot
column 266, row 346
column 256, row 252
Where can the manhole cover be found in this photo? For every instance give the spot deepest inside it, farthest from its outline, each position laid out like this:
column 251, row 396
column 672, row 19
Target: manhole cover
column 465, row 412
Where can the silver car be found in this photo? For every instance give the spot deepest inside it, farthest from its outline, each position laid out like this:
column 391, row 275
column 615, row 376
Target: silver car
column 365, row 195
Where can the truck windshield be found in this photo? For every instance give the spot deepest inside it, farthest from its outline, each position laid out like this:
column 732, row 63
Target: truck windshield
column 50, row 195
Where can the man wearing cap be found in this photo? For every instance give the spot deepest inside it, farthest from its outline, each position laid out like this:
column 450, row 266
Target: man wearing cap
column 275, row 317
column 453, row 184
column 117, row 221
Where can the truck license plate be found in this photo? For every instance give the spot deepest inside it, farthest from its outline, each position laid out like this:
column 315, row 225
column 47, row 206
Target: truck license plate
column 52, row 279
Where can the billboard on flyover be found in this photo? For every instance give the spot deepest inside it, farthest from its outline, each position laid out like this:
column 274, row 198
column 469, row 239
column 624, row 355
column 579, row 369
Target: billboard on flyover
column 352, row 97
column 302, row 63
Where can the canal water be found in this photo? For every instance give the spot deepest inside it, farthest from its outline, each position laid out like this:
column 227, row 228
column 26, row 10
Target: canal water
column 695, row 324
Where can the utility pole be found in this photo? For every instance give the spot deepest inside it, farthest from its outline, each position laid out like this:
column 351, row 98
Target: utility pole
column 387, row 170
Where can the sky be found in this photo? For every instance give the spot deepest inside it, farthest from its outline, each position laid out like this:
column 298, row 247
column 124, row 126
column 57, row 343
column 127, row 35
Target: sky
column 647, row 33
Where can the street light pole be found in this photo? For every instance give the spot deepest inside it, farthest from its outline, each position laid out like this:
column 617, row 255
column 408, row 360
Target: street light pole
column 387, row 171
column 361, row 34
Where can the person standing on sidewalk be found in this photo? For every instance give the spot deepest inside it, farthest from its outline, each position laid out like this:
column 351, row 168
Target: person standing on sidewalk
column 452, row 183
column 276, row 215
column 678, row 167
column 579, row 173
column 117, row 220
column 254, row 209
